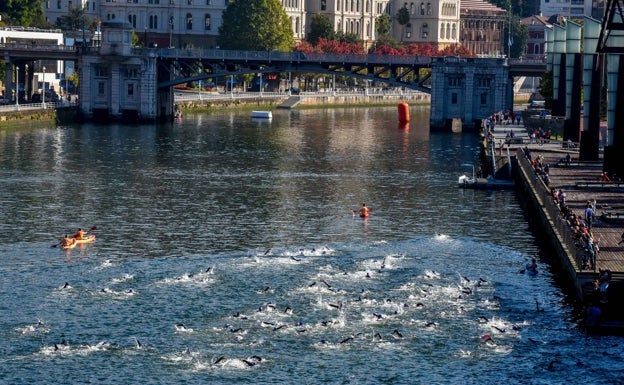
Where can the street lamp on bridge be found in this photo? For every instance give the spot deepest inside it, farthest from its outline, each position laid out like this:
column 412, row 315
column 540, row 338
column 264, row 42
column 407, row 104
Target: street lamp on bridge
column 43, row 89
column 17, row 87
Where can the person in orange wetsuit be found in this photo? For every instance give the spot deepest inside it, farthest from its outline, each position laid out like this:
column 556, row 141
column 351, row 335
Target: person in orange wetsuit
column 365, row 211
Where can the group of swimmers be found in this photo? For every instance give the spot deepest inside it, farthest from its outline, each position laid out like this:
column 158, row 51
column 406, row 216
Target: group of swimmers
column 68, row 241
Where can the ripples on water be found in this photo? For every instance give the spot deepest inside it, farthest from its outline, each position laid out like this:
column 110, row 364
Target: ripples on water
column 227, row 249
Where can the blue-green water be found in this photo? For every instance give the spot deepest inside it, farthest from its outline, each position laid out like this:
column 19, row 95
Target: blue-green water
column 242, row 232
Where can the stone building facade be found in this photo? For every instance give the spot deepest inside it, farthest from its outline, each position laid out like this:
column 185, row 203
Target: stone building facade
column 195, row 23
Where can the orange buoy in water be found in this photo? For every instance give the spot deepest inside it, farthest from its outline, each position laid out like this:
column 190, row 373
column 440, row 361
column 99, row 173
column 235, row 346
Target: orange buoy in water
column 403, row 112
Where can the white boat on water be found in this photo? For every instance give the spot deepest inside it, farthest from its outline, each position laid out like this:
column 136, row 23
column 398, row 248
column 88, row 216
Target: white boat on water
column 467, row 181
column 262, row 114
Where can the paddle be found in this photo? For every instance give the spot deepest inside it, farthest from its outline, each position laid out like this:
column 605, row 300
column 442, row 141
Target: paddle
column 90, row 229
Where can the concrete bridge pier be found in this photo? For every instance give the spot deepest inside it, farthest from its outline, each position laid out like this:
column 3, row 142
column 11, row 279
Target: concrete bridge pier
column 465, row 89
column 116, row 83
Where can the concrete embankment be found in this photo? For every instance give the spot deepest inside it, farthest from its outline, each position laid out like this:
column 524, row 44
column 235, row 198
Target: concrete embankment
column 321, row 99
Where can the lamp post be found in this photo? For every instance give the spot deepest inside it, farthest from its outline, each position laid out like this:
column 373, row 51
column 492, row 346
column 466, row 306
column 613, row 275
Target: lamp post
column 17, row 87
column 170, row 31
column 43, row 89
column 26, row 79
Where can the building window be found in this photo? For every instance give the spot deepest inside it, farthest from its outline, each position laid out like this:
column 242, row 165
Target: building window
column 454, row 98
column 189, row 2
column 425, row 30
column 47, row 4
column 483, row 98
column 455, row 82
column 132, row 20
column 101, row 71
column 428, row 8
column 130, row 89
column 189, row 21
column 412, row 8
column 153, row 22
column 58, row 4
column 422, row 9
column 408, row 30
column 207, row 22
column 323, row 5
column 208, row 2
column 101, row 88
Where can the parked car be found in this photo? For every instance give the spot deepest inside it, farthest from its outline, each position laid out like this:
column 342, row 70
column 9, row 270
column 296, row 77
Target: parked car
column 35, row 98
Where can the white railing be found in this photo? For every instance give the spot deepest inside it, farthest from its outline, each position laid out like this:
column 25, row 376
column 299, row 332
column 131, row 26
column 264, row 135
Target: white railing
column 34, row 106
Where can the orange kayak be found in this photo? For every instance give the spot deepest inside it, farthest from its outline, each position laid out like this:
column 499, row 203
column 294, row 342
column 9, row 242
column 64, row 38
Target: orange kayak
column 89, row 239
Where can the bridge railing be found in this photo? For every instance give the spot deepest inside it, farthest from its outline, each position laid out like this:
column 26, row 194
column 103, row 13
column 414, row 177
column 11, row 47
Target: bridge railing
column 294, row 56
column 371, row 91
column 38, row 47
column 518, row 61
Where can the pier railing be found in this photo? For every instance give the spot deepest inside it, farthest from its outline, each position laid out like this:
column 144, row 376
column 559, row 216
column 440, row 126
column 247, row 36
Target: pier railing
column 561, row 226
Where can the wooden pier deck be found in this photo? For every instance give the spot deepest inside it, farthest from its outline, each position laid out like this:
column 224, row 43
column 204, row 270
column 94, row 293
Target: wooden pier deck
column 581, row 182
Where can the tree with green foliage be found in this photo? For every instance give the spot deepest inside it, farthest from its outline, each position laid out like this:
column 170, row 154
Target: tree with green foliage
column 75, row 19
column 520, row 33
column 320, row 28
column 26, row 13
column 403, row 17
column 383, row 26
column 256, row 25
column 546, row 88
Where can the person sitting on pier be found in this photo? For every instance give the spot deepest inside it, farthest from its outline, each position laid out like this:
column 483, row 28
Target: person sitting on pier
column 603, row 284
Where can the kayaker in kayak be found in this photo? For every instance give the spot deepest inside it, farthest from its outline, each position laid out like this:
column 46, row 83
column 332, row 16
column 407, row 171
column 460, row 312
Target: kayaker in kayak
column 67, row 241
column 80, row 234
column 365, row 211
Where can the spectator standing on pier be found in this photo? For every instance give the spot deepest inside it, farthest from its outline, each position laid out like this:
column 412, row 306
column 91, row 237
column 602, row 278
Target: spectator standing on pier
column 562, row 197
column 589, row 215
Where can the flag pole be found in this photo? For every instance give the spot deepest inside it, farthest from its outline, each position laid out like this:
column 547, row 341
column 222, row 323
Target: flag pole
column 510, row 41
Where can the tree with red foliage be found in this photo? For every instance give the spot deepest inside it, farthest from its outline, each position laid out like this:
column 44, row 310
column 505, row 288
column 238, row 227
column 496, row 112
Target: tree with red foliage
column 334, row 46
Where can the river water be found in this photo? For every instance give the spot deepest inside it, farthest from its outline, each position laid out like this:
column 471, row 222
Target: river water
column 228, row 249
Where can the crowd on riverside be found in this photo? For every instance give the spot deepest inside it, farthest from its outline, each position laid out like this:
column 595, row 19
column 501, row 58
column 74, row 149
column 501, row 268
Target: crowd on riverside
column 507, row 117
column 580, row 225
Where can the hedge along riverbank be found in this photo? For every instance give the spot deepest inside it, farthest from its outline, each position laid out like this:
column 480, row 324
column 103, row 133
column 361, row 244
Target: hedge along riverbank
column 27, row 118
